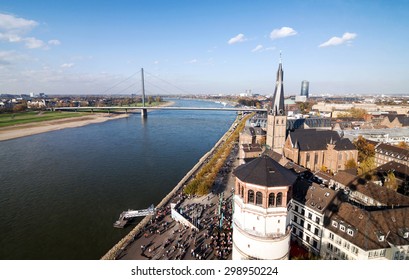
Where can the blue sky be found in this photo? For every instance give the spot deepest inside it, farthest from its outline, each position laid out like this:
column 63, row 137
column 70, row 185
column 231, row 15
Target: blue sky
column 204, row 47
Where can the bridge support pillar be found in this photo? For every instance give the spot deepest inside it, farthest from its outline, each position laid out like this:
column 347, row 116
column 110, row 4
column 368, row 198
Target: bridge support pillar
column 144, row 113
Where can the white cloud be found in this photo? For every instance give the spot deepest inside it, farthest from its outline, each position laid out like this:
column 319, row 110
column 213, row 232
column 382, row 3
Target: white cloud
column 335, row 41
column 237, row 39
column 192, row 61
column 10, row 22
column 67, row 65
column 13, row 30
column 54, row 42
column 33, row 43
column 156, row 62
column 257, row 48
column 282, row 32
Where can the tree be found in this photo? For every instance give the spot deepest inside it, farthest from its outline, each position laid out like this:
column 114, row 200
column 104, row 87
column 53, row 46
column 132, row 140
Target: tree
column 403, row 145
column 390, row 181
column 158, row 99
column 350, row 164
column 366, row 165
column 365, row 149
column 150, row 99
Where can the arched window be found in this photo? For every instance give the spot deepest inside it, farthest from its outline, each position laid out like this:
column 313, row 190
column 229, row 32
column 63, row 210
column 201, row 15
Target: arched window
column 271, row 198
column 279, row 199
column 242, row 192
column 250, row 196
column 259, row 198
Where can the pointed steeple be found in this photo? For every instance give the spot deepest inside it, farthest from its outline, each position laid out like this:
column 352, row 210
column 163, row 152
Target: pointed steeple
column 278, row 97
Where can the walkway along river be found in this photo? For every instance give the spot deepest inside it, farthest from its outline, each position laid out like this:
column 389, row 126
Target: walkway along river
column 115, row 252
column 61, row 191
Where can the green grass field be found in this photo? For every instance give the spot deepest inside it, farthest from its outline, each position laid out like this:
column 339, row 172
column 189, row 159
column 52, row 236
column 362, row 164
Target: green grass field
column 9, row 119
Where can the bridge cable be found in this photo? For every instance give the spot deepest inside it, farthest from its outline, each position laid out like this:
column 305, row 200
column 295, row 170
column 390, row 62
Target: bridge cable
column 120, row 82
column 152, row 75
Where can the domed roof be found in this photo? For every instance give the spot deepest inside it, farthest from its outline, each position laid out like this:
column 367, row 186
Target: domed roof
column 264, row 171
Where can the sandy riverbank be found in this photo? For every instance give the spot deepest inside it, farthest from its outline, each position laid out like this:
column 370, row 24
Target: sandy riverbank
column 17, row 131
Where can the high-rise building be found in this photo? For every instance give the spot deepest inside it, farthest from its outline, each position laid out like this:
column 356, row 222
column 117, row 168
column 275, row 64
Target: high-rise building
column 304, row 88
column 277, row 118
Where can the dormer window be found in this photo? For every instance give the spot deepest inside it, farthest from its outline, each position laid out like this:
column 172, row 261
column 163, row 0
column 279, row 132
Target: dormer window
column 350, row 232
column 404, row 232
column 342, row 227
column 380, row 235
column 334, row 224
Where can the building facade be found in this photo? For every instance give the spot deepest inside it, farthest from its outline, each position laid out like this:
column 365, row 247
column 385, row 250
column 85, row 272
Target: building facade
column 315, row 149
column 305, row 85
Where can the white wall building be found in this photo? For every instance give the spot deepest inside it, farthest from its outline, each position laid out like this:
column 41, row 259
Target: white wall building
column 261, row 220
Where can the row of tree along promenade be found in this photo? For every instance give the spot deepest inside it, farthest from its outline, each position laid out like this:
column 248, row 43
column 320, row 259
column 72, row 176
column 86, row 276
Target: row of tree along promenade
column 214, row 157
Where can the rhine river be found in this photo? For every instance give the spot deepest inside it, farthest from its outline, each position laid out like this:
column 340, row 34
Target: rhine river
column 61, row 191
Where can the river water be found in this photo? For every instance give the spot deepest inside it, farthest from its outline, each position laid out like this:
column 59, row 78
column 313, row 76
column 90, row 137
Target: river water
column 61, row 191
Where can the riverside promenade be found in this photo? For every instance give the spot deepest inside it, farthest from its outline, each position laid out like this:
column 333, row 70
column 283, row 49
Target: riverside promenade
column 160, row 237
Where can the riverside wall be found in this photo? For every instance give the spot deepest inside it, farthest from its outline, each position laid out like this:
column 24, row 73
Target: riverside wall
column 125, row 241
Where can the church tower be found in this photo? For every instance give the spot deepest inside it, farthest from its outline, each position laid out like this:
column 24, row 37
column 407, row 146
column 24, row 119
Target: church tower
column 277, row 118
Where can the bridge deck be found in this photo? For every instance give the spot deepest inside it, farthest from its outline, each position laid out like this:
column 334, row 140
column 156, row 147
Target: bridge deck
column 162, row 108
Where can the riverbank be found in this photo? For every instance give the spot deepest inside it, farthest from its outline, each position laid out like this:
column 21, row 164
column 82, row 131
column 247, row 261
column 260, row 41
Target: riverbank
column 22, row 130
column 17, row 131
column 118, row 249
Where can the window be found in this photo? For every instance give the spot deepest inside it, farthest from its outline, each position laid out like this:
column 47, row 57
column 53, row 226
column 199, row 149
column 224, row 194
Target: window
column 303, row 212
column 300, row 234
column 342, row 227
column 279, row 199
column 307, row 238
column 317, row 220
column 354, row 250
column 250, row 196
column 331, row 236
column 271, row 198
column 315, row 159
column 330, row 246
column 294, row 230
column 315, row 243
column 302, row 222
column 310, row 216
column 296, row 208
column 309, row 227
column 308, row 157
column 242, row 192
column 259, row 198
column 316, row 231
column 296, row 219
column 334, row 224
column 350, row 232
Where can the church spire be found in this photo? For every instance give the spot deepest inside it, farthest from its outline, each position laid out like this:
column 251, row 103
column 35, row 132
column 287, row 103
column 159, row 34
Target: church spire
column 278, row 97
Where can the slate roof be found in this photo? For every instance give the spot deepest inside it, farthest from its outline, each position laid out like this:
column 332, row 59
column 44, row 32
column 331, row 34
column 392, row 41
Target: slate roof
column 344, row 177
column 403, row 119
column 316, row 140
column 382, row 194
column 264, row 171
column 367, row 225
column 313, row 196
column 398, row 168
column 392, row 151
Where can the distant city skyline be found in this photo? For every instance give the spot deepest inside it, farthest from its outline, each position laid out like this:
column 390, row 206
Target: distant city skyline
column 203, row 47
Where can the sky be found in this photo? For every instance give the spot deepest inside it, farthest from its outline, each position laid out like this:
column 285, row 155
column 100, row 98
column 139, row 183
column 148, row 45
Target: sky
column 203, row 47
